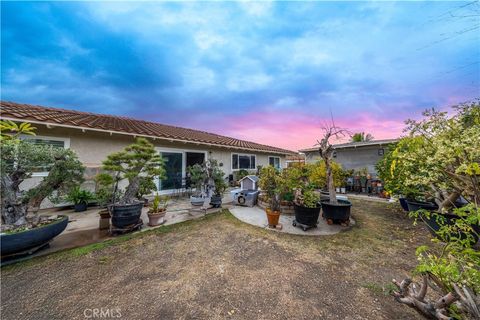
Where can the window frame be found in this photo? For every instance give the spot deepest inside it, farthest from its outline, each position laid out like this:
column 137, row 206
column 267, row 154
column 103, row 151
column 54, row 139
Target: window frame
column 279, row 161
column 250, row 155
column 66, row 145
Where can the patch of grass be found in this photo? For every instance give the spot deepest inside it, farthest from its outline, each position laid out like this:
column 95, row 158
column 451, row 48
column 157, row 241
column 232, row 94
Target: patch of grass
column 105, row 259
column 379, row 289
column 82, row 251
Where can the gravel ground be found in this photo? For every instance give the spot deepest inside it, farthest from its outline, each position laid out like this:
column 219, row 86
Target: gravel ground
column 218, row 268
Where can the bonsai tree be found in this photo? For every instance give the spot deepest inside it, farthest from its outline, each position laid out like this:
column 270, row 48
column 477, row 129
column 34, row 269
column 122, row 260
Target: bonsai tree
column 443, row 160
column 136, row 162
column 271, row 183
column 198, row 177
column 218, row 179
column 325, row 150
column 19, row 159
column 441, row 155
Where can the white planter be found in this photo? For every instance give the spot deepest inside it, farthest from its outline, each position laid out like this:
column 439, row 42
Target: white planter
column 342, row 190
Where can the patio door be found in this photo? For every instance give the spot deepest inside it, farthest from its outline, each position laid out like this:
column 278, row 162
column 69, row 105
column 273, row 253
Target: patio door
column 173, row 171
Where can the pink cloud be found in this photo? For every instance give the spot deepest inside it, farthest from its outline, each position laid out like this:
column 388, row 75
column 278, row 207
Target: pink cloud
column 296, row 131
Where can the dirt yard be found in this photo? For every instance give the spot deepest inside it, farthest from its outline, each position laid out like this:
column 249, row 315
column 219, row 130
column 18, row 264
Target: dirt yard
column 220, row 268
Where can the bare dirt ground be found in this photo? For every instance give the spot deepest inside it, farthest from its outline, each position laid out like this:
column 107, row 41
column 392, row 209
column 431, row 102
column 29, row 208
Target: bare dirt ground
column 220, row 268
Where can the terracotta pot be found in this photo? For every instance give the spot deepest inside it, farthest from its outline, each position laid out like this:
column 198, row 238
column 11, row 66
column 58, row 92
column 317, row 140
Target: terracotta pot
column 273, row 217
column 104, row 222
column 155, row 219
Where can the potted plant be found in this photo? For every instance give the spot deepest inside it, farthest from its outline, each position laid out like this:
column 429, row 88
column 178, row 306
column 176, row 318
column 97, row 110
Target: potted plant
column 333, row 210
column 157, row 211
column 270, row 183
column 307, row 208
column 137, row 161
column 23, row 230
column 79, row 198
column 198, row 176
column 220, row 185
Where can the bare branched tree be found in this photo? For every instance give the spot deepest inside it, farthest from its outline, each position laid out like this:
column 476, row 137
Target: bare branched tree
column 325, row 149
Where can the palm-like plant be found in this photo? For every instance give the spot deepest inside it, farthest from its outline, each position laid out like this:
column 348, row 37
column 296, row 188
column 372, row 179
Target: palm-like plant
column 361, row 137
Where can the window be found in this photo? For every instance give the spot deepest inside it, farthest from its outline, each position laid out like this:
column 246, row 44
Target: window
column 274, row 162
column 243, row 161
column 380, row 152
column 42, row 169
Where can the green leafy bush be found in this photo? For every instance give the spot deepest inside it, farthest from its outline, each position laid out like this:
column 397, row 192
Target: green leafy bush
column 78, row 195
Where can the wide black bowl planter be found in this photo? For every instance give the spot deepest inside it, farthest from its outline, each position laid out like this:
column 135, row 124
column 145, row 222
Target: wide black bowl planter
column 306, row 217
column 336, row 213
column 216, row 201
column 436, row 220
column 80, row 207
column 30, row 240
column 414, row 205
column 403, row 203
column 124, row 215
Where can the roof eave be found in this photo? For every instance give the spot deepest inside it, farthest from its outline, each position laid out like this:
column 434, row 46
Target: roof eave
column 145, row 136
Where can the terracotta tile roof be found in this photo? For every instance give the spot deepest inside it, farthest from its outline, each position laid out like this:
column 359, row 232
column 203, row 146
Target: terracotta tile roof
column 355, row 144
column 87, row 120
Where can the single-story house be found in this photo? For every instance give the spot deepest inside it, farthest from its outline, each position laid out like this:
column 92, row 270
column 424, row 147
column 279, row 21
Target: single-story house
column 94, row 136
column 354, row 155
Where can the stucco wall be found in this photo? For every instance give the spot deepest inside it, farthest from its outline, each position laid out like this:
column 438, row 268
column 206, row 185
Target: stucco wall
column 93, row 147
column 353, row 158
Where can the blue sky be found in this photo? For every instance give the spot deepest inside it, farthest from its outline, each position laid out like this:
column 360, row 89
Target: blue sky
column 269, row 72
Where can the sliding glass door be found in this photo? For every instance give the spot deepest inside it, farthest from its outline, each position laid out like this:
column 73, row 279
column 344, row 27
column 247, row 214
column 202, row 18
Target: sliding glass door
column 173, row 170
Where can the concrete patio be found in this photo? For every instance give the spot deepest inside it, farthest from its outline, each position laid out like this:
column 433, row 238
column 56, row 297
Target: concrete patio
column 257, row 217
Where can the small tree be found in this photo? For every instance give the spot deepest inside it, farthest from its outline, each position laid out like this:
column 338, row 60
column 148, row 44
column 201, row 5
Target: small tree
column 326, row 150
column 271, row 183
column 19, row 159
column 361, row 137
column 136, row 162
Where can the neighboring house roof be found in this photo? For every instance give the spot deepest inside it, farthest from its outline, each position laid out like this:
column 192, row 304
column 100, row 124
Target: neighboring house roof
column 356, row 144
column 124, row 125
column 295, row 157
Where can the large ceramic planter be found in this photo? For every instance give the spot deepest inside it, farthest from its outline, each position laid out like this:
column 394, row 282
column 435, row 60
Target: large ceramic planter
column 403, row 203
column 124, row 215
column 216, row 201
column 435, row 220
column 306, row 217
column 80, row 207
column 414, row 205
column 197, row 201
column 272, row 217
column 23, row 241
column 336, row 213
column 155, row 219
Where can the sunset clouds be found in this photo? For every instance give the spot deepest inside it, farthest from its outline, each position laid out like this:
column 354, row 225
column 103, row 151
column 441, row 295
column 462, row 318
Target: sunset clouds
column 269, row 72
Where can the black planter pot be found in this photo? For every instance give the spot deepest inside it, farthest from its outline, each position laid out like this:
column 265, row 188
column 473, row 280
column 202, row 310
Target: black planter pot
column 434, row 222
column 124, row 215
column 414, row 205
column 403, row 203
column 337, row 213
column 23, row 241
column 216, row 201
column 80, row 207
column 307, row 216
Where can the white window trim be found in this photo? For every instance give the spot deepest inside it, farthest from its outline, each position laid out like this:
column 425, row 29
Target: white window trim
column 66, row 145
column 184, row 163
column 279, row 161
column 242, row 154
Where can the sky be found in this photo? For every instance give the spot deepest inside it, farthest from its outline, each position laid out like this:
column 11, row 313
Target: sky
column 269, row 72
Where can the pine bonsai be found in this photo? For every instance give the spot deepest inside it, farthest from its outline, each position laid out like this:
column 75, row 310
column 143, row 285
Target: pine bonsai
column 138, row 161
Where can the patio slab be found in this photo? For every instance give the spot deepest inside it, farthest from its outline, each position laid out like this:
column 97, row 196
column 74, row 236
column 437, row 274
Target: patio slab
column 257, row 217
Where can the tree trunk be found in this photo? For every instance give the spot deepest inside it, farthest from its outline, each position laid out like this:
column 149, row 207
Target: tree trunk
column 14, row 211
column 132, row 190
column 330, row 183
